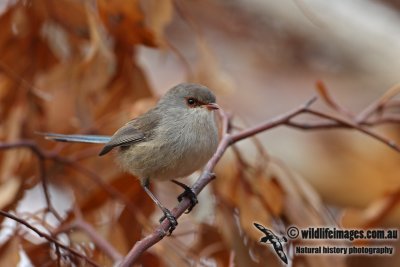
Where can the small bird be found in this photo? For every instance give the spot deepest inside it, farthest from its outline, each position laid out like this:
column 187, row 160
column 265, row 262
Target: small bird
column 172, row 140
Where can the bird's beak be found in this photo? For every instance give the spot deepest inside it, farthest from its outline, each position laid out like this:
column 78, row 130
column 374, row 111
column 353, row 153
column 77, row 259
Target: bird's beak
column 211, row 106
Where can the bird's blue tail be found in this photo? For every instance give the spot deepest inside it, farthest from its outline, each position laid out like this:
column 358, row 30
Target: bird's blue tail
column 79, row 138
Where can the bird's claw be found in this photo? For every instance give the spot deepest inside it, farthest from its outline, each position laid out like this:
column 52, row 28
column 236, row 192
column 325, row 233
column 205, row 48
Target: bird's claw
column 192, row 197
column 172, row 220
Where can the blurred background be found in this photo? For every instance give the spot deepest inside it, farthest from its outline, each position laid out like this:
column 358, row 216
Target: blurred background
column 72, row 66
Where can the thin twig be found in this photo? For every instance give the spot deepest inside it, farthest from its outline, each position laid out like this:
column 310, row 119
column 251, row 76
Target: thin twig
column 388, row 142
column 279, row 120
column 48, row 237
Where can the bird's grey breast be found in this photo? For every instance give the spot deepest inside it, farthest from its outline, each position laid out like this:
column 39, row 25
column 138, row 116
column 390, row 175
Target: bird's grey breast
column 192, row 139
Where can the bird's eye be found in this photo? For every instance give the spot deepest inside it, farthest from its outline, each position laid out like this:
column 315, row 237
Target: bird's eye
column 191, row 101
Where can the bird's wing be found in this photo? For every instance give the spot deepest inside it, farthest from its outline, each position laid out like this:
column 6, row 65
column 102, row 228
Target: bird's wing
column 80, row 138
column 126, row 135
column 134, row 131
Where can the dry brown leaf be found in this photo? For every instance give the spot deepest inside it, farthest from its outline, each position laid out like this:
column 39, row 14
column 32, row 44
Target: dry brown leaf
column 129, row 84
column 39, row 254
column 257, row 197
column 211, row 244
column 303, row 208
column 20, row 28
column 75, row 83
column 8, row 191
column 9, row 252
column 123, row 183
column 117, row 237
column 131, row 228
column 131, row 218
column 251, row 209
column 157, row 15
column 269, row 191
column 13, row 41
column 383, row 211
column 244, row 248
column 12, row 162
column 61, row 11
column 302, row 204
column 226, row 188
column 125, row 21
column 149, row 259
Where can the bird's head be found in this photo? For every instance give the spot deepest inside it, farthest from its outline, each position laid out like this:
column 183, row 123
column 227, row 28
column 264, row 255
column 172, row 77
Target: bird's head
column 189, row 96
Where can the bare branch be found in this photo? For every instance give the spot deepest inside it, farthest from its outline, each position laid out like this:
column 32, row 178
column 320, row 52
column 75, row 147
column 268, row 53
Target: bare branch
column 388, row 142
column 279, row 120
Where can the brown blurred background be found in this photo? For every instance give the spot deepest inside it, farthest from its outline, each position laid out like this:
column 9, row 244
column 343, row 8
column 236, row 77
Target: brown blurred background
column 73, row 66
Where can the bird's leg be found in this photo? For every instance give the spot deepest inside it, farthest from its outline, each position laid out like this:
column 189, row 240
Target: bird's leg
column 167, row 213
column 187, row 193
